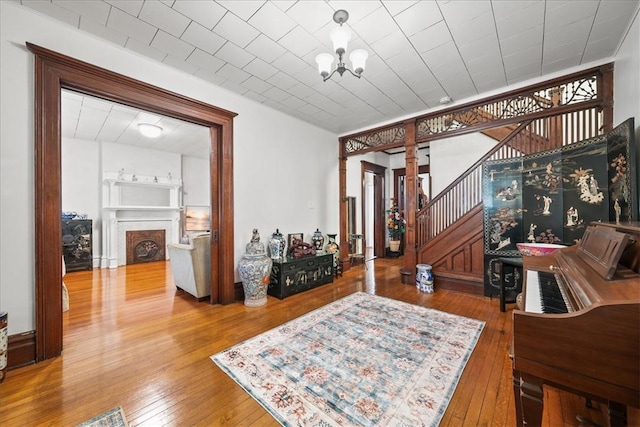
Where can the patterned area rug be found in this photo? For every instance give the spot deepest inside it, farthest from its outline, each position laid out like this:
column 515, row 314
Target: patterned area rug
column 362, row 360
column 112, row 418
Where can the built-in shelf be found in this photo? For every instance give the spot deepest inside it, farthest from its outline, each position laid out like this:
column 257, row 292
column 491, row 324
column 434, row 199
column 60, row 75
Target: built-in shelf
column 118, row 178
column 142, row 208
column 150, row 184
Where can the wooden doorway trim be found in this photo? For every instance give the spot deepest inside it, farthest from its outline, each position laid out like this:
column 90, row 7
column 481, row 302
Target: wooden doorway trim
column 379, row 229
column 54, row 72
column 398, row 193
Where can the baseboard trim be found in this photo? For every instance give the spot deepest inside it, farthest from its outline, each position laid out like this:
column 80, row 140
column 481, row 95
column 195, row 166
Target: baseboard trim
column 22, row 350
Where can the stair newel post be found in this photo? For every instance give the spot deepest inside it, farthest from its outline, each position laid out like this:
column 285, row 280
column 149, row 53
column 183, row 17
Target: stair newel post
column 408, row 271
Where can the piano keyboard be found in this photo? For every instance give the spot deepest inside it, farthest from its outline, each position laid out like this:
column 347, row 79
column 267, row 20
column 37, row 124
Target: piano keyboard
column 544, row 295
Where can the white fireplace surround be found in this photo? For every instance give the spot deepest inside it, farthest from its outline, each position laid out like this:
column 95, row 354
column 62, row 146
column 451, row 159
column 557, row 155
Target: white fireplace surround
column 160, row 210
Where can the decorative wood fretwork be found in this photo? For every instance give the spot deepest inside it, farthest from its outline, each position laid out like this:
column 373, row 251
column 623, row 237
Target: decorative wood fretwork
column 511, row 109
column 379, row 139
column 578, row 91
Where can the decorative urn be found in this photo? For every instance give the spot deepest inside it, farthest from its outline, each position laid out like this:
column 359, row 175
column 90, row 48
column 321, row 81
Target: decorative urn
column 333, row 248
column 424, row 278
column 277, row 245
column 318, row 240
column 255, row 272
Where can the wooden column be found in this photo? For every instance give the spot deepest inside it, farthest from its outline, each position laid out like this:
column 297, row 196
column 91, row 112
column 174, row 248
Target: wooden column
column 344, row 239
column 408, row 271
column 606, row 90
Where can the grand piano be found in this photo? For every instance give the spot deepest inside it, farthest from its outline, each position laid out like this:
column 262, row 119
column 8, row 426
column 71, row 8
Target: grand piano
column 577, row 326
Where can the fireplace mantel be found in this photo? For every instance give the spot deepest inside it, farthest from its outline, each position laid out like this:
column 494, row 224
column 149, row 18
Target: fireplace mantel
column 159, row 208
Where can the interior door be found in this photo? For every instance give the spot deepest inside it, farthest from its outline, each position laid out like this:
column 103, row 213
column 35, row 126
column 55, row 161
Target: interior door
column 377, row 203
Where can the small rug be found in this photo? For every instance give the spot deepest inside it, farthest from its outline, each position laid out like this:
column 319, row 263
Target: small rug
column 362, row 360
column 112, row 418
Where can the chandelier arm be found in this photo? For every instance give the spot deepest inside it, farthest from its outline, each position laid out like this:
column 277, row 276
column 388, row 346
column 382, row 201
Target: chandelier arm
column 324, row 79
column 352, row 73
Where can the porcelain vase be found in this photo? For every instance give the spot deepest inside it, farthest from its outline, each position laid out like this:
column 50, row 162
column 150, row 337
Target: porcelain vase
column 333, row 248
column 424, row 278
column 255, row 272
column 318, row 240
column 277, row 245
column 4, row 347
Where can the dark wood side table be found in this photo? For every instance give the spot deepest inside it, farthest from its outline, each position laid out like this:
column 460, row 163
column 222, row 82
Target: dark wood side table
column 516, row 265
column 293, row 275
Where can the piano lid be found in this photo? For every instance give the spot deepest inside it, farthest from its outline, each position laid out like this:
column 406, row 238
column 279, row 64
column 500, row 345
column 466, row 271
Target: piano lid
column 601, row 248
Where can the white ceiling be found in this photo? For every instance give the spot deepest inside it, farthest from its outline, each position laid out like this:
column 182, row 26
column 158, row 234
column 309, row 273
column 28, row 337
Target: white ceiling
column 94, row 119
column 420, row 51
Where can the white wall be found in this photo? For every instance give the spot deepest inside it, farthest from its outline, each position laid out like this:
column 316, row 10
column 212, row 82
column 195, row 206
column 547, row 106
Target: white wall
column 627, row 77
column 450, row 157
column 627, row 87
column 83, row 165
column 195, row 181
column 285, row 170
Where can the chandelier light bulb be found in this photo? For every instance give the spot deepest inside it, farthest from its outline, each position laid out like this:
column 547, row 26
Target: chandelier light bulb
column 340, row 37
column 149, row 130
column 358, row 60
column 325, row 61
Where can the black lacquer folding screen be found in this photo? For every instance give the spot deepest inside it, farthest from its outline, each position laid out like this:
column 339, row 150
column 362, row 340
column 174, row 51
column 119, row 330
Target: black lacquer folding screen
column 551, row 196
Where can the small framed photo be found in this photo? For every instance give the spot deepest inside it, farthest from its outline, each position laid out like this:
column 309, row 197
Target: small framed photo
column 292, row 237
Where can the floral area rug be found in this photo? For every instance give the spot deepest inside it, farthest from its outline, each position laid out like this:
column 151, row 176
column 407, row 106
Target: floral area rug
column 112, row 418
column 362, row 360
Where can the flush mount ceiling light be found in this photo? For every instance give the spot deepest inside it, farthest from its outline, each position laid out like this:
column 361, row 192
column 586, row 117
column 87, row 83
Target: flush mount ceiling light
column 149, row 130
column 446, row 100
column 340, row 37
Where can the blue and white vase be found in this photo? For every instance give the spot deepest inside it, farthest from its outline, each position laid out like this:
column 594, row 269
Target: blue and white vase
column 318, row 240
column 255, row 272
column 277, row 245
column 424, row 278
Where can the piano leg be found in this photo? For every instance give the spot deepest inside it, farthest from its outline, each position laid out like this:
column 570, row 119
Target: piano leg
column 617, row 414
column 529, row 399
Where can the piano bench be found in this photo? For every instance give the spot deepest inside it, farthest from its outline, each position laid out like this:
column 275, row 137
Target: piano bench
column 516, row 263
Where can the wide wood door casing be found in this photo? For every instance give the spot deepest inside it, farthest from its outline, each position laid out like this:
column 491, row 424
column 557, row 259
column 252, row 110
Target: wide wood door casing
column 54, row 72
column 379, row 228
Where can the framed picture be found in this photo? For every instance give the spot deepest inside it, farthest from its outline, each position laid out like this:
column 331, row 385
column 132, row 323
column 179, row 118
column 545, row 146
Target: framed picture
column 293, row 236
column 197, row 218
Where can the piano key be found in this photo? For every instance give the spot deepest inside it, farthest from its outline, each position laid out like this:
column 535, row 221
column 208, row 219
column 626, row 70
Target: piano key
column 543, row 294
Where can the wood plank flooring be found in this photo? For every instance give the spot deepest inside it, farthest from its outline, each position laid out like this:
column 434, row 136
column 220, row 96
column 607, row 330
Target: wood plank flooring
column 132, row 340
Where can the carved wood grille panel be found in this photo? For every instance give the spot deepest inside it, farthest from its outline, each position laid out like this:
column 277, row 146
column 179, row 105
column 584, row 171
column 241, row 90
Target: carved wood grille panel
column 564, row 95
column 388, row 137
column 509, row 110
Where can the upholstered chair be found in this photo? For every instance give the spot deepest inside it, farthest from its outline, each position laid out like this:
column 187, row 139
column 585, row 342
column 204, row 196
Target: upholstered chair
column 191, row 265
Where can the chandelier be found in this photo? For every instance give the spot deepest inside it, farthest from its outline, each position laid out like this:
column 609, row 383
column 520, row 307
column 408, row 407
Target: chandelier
column 340, row 37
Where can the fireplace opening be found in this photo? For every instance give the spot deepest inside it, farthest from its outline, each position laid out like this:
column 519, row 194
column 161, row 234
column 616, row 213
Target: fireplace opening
column 145, row 246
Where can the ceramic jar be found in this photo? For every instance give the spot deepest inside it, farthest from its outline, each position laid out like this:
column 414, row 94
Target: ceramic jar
column 277, row 245
column 318, row 240
column 424, row 278
column 255, row 272
column 333, row 248
column 4, row 345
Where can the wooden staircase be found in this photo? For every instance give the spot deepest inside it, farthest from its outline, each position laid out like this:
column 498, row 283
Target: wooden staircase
column 449, row 230
column 447, row 233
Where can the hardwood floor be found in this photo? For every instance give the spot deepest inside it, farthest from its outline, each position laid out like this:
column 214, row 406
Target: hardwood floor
column 132, row 340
